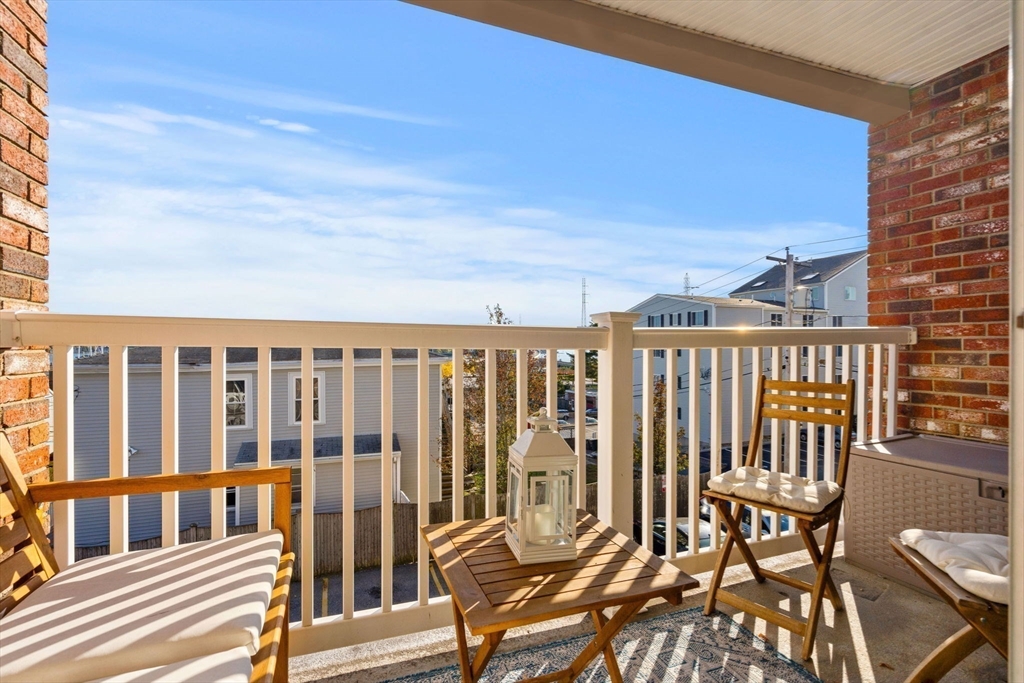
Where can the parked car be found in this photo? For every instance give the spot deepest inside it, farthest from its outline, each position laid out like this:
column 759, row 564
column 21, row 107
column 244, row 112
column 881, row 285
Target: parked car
column 591, row 420
column 591, row 412
column 682, row 534
column 766, row 520
column 821, row 436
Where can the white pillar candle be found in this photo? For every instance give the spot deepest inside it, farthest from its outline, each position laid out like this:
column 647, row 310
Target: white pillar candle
column 544, row 520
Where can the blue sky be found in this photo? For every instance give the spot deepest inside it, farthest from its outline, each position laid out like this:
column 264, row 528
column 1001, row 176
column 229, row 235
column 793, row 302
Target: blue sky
column 378, row 161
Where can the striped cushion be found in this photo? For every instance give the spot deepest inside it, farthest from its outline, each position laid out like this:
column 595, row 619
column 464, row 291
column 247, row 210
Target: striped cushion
column 121, row 613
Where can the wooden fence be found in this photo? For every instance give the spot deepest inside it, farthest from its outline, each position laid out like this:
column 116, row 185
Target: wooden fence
column 327, row 528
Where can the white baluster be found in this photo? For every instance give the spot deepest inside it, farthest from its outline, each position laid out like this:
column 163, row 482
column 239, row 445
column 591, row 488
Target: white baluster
column 118, row 403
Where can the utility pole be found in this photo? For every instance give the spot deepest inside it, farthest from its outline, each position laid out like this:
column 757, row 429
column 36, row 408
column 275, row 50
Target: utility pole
column 583, row 309
column 791, row 264
column 687, row 287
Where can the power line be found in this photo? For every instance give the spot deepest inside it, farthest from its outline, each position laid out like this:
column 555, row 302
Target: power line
column 837, row 239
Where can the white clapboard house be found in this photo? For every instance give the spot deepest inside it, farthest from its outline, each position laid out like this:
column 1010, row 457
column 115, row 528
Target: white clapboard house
column 242, row 406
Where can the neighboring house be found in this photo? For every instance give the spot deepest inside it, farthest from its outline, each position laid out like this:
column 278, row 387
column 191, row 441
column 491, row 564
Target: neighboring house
column 833, row 290
column 242, row 406
column 681, row 311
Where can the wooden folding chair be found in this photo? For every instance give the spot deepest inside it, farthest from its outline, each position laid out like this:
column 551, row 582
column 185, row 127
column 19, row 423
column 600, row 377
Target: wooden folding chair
column 986, row 621
column 813, row 403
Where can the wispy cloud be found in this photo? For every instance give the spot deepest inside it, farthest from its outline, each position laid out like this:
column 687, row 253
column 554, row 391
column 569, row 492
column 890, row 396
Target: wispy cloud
column 260, row 95
column 287, row 126
column 212, row 224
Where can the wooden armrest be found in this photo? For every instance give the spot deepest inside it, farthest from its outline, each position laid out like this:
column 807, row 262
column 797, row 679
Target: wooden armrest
column 939, row 580
column 158, row 483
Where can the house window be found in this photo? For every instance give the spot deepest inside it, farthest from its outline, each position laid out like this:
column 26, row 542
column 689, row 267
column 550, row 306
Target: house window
column 295, row 398
column 661, row 322
column 808, row 320
column 297, row 487
column 679, row 381
column 839, row 352
column 803, row 351
column 851, row 293
column 659, row 353
column 236, row 401
column 679, row 352
column 697, row 319
column 776, row 320
column 679, row 413
column 837, row 321
column 659, row 378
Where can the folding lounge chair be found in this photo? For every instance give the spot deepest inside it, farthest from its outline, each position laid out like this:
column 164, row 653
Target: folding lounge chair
column 986, row 619
column 813, row 504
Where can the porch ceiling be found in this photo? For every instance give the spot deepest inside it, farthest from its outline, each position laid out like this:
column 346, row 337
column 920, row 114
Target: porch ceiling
column 856, row 58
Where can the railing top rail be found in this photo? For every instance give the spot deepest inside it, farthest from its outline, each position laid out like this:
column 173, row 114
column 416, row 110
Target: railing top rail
column 32, row 328
column 729, row 337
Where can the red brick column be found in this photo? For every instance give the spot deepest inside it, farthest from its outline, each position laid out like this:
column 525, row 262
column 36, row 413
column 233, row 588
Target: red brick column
column 24, row 239
column 938, row 205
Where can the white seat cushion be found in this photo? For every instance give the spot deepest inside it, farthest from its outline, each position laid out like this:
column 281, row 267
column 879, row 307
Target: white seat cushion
column 233, row 666
column 978, row 563
column 776, row 488
column 120, row 613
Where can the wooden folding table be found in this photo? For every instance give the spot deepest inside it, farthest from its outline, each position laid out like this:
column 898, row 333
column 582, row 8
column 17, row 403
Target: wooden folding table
column 491, row 592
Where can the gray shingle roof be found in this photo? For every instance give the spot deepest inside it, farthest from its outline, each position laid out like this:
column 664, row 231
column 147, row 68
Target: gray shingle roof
column 189, row 355
column 826, row 268
column 288, row 450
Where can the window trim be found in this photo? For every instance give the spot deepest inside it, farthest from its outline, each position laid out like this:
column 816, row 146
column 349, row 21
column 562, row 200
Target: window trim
column 240, row 377
column 292, row 398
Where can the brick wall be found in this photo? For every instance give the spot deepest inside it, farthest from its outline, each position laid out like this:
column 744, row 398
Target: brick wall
column 938, row 258
column 24, row 239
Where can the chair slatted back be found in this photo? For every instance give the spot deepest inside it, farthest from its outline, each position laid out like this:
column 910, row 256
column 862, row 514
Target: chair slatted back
column 26, row 559
column 811, row 402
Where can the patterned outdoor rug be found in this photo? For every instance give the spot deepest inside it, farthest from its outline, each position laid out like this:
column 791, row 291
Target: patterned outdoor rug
column 679, row 646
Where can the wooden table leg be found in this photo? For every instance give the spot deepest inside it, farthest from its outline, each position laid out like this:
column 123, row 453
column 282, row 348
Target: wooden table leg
column 460, row 637
column 484, row 652
column 603, row 638
column 610, row 662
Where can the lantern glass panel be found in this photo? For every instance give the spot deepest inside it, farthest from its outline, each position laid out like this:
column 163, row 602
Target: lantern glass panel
column 514, row 485
column 549, row 509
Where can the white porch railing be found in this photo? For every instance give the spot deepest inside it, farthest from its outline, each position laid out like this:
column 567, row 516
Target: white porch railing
column 616, row 342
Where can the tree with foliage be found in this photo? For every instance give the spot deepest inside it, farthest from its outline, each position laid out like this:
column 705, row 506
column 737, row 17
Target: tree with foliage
column 660, row 452
column 474, row 398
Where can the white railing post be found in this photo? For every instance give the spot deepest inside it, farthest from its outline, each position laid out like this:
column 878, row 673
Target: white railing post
column 387, row 491
column 64, row 452
column 458, row 438
column 263, row 406
column 218, row 439
column 348, row 474
column 118, row 418
column 551, row 382
column 307, row 493
column 491, row 433
column 671, row 449
column 615, row 421
column 580, row 431
column 423, row 469
column 169, row 442
column 647, row 446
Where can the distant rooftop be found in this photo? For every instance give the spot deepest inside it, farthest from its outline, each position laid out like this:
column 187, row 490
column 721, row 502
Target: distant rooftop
column 711, row 300
column 816, row 271
column 289, row 450
column 197, row 356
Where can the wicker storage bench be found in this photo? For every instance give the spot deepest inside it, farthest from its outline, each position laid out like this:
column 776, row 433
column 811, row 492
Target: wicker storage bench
column 924, row 482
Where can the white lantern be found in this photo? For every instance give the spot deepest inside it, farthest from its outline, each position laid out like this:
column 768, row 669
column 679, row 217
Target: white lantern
column 540, row 516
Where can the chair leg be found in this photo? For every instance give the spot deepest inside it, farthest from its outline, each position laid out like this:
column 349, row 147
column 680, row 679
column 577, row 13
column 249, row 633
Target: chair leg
column 812, row 548
column 819, row 587
column 732, row 535
column 732, row 522
column 947, row 655
column 716, row 578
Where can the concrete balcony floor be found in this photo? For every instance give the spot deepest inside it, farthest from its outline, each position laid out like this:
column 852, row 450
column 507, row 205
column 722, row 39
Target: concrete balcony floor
column 886, row 630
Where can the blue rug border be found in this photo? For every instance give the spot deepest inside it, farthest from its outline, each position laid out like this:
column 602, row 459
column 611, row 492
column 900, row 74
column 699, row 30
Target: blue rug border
column 770, row 649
